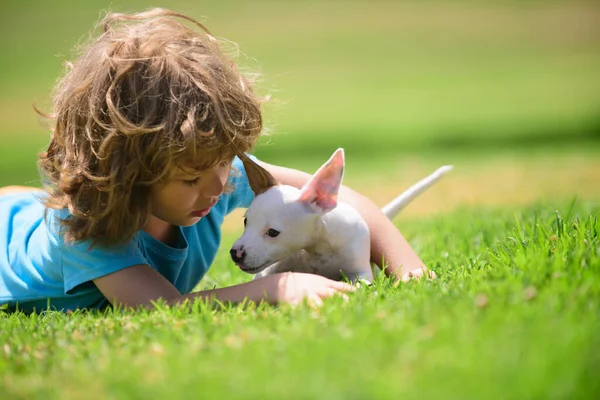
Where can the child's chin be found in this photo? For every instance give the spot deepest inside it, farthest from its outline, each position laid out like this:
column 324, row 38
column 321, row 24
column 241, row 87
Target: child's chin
column 190, row 222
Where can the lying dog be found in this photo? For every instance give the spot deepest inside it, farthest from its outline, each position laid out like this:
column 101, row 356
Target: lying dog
column 308, row 230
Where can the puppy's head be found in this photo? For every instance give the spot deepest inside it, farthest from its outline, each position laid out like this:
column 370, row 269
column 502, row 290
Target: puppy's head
column 283, row 220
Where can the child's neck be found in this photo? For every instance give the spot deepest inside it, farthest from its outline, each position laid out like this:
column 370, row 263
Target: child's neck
column 161, row 230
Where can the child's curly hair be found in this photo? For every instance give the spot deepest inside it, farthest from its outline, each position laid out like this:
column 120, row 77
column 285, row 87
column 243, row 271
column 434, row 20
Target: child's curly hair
column 147, row 96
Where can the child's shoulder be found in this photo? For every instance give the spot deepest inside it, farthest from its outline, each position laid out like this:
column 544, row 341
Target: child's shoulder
column 240, row 194
column 23, row 209
column 20, row 202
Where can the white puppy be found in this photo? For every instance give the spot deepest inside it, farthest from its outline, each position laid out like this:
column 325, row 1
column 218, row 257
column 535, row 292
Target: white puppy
column 308, row 230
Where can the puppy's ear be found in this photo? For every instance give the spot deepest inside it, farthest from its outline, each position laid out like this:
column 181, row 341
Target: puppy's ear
column 260, row 179
column 321, row 191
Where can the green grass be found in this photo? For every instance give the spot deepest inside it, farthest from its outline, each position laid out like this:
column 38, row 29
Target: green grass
column 513, row 315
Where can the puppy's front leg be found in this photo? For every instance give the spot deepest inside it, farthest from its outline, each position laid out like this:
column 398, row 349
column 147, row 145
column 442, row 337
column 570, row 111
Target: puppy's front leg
column 365, row 275
column 270, row 270
column 290, row 264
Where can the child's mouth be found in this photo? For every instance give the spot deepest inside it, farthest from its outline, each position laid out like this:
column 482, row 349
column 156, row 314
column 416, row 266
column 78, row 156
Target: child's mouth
column 200, row 213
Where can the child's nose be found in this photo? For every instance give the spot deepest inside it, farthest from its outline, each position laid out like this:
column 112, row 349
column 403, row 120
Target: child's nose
column 215, row 187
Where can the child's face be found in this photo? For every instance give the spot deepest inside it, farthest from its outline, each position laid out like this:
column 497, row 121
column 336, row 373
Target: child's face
column 187, row 197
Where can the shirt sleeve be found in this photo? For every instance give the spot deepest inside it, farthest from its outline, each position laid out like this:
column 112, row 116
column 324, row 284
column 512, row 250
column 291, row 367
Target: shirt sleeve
column 82, row 263
column 242, row 194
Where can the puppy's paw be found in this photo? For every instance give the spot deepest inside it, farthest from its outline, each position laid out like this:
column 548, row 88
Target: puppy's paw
column 419, row 273
column 362, row 282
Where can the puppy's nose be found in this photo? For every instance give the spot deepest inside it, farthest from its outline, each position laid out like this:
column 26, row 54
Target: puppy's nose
column 237, row 255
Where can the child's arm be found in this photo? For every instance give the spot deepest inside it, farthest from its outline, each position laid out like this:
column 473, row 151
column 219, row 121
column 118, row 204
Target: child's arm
column 17, row 189
column 387, row 243
column 140, row 285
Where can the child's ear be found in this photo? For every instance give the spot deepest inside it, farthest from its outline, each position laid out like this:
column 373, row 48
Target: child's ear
column 260, row 179
column 321, row 191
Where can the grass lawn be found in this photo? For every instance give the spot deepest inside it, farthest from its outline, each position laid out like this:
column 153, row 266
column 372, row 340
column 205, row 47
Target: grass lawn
column 513, row 315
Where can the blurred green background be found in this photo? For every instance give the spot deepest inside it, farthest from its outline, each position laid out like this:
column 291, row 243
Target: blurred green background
column 429, row 82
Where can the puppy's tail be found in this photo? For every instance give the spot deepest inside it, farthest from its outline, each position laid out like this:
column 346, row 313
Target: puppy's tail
column 395, row 206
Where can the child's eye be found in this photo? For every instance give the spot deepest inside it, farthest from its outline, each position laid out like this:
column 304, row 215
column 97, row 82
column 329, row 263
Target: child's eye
column 191, row 182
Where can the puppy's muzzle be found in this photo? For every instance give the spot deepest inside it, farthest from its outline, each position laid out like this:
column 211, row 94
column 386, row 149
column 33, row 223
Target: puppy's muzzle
column 237, row 255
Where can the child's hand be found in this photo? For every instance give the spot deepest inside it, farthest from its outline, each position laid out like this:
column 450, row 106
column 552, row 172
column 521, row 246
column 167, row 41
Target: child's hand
column 418, row 273
column 294, row 287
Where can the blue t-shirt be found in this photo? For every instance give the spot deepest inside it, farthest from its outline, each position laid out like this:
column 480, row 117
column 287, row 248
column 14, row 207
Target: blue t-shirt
column 38, row 270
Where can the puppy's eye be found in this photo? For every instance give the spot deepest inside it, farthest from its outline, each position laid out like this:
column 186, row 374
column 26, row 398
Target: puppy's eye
column 273, row 233
column 245, row 221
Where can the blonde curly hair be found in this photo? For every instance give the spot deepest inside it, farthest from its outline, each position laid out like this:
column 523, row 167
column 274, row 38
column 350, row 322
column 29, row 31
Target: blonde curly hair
column 150, row 94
